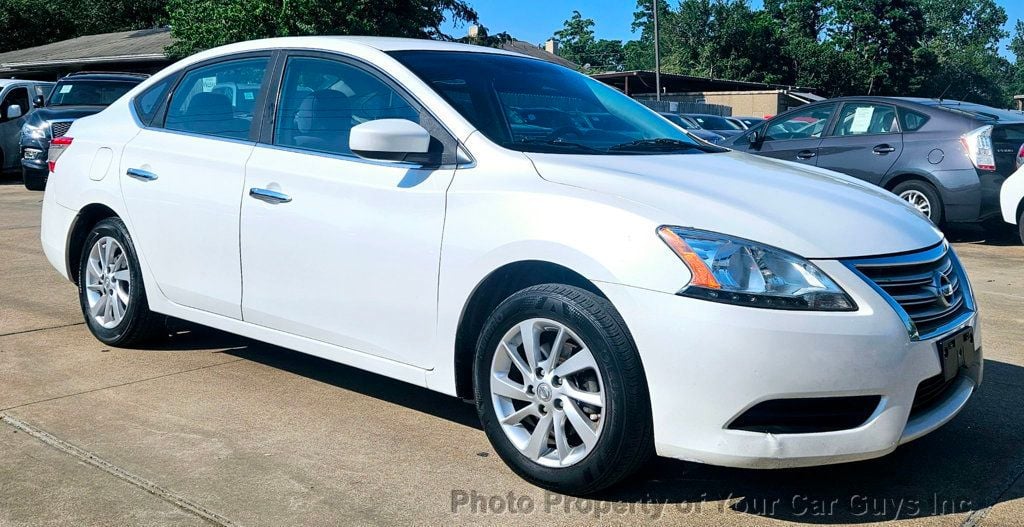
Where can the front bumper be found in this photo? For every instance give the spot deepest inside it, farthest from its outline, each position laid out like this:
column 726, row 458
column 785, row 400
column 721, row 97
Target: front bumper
column 707, row 363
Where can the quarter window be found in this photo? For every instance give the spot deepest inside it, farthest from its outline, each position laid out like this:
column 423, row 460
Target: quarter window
column 322, row 99
column 804, row 124
column 148, row 103
column 218, row 99
column 866, row 119
column 911, row 121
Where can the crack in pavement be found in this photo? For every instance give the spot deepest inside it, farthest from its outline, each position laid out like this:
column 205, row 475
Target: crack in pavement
column 129, row 383
column 138, row 481
column 22, row 332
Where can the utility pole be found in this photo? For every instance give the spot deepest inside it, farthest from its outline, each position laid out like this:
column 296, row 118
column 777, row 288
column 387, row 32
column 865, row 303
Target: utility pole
column 657, row 55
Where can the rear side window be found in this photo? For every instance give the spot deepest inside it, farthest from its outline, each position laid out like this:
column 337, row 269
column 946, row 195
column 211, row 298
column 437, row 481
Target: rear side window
column 147, row 105
column 218, row 99
column 866, row 119
column 911, row 121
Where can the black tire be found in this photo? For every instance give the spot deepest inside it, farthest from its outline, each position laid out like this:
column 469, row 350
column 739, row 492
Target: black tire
column 34, row 179
column 138, row 324
column 626, row 440
column 928, row 191
column 1020, row 226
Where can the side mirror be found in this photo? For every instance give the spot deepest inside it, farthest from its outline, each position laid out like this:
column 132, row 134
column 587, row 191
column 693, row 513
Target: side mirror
column 39, row 101
column 757, row 138
column 13, row 112
column 389, row 140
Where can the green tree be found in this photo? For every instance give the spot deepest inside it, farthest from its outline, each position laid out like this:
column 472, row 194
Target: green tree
column 577, row 44
column 28, row 23
column 203, row 24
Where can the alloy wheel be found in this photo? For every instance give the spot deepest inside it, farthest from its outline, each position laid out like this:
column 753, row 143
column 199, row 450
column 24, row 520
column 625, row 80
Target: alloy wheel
column 547, row 392
column 918, row 200
column 107, row 282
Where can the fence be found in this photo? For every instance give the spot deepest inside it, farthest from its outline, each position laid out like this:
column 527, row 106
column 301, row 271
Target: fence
column 687, row 107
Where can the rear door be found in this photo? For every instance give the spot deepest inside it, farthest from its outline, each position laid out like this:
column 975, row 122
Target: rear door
column 182, row 180
column 796, row 136
column 864, row 142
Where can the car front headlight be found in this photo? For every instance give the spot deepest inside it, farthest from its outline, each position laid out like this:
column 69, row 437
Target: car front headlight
column 34, row 130
column 737, row 271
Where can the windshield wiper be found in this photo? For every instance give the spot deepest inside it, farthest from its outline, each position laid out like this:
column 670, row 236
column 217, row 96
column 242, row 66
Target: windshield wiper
column 559, row 144
column 664, row 143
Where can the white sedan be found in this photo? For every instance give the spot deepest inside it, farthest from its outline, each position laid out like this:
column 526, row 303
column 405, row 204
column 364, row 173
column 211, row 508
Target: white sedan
column 502, row 229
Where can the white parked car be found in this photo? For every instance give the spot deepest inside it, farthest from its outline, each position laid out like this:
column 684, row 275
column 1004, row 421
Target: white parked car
column 603, row 286
column 1011, row 198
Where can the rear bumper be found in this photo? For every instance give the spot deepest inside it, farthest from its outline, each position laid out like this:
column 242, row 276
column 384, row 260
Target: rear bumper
column 56, row 224
column 708, row 363
column 969, row 195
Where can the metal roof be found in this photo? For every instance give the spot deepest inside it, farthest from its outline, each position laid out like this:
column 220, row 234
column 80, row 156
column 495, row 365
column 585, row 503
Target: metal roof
column 642, row 82
column 127, row 46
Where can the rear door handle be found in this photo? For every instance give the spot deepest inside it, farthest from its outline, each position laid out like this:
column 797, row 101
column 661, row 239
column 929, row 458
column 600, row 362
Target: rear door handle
column 805, row 154
column 141, row 175
column 883, row 149
column 270, row 196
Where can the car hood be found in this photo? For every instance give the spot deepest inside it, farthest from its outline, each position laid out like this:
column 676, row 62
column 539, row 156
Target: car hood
column 806, row 210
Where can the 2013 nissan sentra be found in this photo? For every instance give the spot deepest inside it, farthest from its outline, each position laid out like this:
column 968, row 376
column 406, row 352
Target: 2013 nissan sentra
column 602, row 286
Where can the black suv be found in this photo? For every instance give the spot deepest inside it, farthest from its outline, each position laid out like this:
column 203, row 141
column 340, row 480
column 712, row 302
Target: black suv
column 76, row 95
column 947, row 158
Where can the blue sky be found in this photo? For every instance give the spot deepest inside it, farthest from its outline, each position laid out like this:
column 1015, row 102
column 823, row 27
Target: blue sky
column 536, row 20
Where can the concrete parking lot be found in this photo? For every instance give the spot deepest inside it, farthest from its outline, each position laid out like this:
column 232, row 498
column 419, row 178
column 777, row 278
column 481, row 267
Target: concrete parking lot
column 209, row 428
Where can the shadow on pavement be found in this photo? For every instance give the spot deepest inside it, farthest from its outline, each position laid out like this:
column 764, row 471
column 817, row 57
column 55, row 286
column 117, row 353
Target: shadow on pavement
column 993, row 233
column 969, row 464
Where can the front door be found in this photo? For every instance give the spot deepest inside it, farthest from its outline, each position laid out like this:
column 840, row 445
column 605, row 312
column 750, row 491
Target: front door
column 10, row 129
column 865, row 141
column 182, row 181
column 796, row 136
column 336, row 248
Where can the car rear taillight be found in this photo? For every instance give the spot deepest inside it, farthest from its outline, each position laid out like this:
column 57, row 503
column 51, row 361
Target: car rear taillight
column 1020, row 156
column 57, row 148
column 978, row 145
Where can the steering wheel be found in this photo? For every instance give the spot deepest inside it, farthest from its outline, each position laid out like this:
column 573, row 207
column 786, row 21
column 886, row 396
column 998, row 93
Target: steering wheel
column 561, row 131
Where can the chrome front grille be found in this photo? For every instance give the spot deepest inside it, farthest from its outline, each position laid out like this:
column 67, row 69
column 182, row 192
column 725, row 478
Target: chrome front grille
column 59, row 128
column 928, row 289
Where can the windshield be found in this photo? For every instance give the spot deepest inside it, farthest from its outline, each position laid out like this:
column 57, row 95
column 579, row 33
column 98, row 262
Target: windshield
column 713, row 122
column 73, row 92
column 534, row 106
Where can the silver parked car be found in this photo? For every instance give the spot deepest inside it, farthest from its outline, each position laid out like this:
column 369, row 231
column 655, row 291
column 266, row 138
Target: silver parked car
column 15, row 103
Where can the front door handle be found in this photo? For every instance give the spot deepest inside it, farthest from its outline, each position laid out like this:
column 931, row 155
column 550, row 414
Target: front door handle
column 270, row 196
column 141, row 175
column 805, row 154
column 883, row 149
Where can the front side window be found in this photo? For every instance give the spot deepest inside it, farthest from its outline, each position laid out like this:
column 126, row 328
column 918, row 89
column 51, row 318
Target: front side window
column 85, row 92
column 534, row 106
column 803, row 124
column 218, row 99
column 866, row 119
column 16, row 97
column 321, row 100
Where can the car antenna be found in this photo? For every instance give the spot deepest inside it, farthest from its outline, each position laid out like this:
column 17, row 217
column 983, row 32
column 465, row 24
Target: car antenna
column 946, row 89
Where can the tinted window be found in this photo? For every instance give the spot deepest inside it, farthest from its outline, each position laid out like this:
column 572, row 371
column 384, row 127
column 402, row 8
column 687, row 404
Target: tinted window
column 911, row 121
column 866, row 119
column 218, row 99
column 148, row 103
column 321, row 100
column 535, row 106
column 802, row 124
column 16, row 97
column 713, row 122
column 83, row 92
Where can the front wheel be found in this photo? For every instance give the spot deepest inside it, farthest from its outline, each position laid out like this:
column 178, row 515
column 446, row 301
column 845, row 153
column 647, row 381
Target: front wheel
column 110, row 289
column 923, row 197
column 560, row 390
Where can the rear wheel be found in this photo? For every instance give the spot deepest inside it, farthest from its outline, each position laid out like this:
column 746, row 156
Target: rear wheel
column 923, row 197
column 110, row 289
column 1020, row 226
column 560, row 390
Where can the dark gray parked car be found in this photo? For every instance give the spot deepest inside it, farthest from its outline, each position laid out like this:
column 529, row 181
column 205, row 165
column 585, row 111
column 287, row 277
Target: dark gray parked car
column 723, row 126
column 692, row 128
column 947, row 158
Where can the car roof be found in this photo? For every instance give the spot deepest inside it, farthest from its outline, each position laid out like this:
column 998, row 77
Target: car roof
column 969, row 109
column 8, row 82
column 341, row 43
